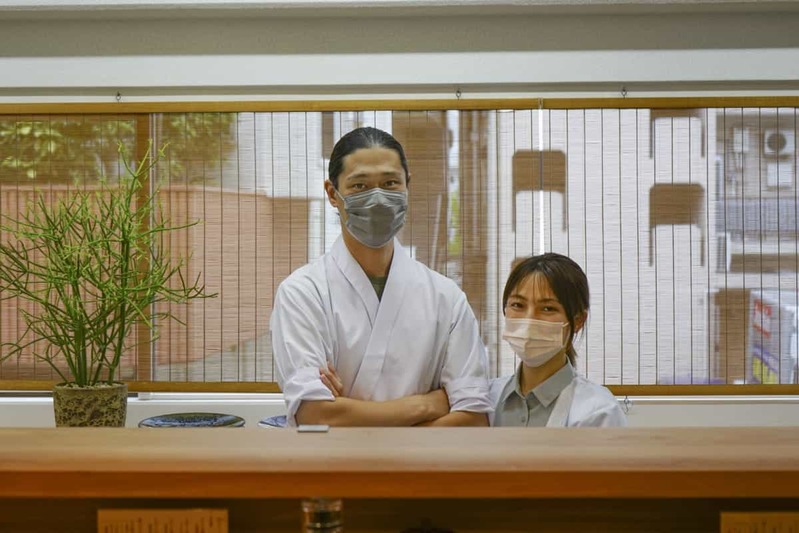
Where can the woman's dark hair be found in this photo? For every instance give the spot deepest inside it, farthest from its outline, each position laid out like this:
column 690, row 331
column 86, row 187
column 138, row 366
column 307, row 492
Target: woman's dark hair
column 363, row 138
column 567, row 281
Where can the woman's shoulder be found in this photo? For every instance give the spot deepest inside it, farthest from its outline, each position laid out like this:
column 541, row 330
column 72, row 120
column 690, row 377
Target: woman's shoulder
column 497, row 385
column 495, row 392
column 586, row 387
column 595, row 401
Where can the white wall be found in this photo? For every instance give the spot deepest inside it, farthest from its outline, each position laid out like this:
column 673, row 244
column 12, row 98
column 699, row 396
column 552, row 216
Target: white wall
column 643, row 412
column 262, row 52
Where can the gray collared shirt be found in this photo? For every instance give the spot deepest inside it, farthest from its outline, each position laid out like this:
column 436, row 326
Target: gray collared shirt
column 533, row 410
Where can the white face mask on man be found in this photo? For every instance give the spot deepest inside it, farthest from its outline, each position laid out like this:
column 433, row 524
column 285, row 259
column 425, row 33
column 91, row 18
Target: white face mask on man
column 534, row 341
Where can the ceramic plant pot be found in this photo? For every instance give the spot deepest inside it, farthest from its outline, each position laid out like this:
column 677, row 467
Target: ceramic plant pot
column 101, row 405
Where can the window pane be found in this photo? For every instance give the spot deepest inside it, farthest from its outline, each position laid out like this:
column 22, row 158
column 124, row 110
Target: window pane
column 54, row 155
column 685, row 221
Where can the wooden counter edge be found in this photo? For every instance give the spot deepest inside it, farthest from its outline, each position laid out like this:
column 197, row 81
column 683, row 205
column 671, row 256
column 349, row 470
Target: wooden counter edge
column 249, row 485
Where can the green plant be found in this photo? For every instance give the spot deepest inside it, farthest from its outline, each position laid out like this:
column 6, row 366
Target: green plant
column 93, row 265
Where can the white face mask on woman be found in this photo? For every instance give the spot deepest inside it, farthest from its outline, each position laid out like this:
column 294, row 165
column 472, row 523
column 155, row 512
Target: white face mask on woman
column 534, row 341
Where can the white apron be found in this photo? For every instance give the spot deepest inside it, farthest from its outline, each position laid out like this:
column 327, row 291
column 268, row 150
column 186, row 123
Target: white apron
column 559, row 417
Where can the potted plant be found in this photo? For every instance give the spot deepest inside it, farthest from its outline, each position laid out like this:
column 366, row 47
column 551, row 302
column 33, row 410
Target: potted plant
column 88, row 268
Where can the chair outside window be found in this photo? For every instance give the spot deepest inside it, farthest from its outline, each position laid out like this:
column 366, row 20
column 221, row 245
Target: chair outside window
column 657, row 114
column 676, row 203
column 529, row 174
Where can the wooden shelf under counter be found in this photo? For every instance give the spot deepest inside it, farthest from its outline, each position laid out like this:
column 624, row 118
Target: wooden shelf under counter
column 465, row 479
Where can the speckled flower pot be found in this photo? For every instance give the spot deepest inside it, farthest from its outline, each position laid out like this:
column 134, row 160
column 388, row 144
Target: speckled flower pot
column 102, row 405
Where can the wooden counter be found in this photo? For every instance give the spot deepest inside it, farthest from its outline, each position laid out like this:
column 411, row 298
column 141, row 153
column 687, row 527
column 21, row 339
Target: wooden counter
column 742, row 468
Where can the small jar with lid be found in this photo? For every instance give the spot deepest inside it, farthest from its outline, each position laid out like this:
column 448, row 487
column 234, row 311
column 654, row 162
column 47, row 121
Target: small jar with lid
column 322, row 515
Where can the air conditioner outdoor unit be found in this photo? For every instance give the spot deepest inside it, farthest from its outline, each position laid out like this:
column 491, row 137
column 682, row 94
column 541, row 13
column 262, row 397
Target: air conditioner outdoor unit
column 779, row 143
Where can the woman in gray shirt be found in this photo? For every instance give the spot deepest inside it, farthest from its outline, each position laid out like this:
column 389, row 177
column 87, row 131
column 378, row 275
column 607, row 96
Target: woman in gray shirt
column 545, row 303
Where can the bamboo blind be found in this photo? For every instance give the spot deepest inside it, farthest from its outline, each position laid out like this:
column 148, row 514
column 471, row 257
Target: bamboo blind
column 682, row 213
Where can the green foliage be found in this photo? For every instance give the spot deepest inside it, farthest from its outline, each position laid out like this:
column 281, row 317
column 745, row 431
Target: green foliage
column 64, row 149
column 93, row 264
column 199, row 143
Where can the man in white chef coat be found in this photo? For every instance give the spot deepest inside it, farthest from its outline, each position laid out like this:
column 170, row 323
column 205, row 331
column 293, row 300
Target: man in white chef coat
column 401, row 339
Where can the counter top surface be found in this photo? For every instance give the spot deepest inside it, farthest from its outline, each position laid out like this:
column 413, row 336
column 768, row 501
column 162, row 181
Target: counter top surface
column 459, row 462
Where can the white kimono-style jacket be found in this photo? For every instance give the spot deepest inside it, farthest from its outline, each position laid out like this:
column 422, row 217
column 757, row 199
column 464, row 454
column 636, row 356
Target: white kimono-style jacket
column 422, row 335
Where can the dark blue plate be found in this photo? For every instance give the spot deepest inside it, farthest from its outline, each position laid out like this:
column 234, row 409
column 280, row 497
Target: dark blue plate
column 193, row 420
column 277, row 421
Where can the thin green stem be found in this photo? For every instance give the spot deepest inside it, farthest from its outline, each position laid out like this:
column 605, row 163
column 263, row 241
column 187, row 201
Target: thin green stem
column 79, row 260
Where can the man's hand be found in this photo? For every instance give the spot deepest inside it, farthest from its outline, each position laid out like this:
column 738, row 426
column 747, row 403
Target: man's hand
column 331, row 380
column 438, row 402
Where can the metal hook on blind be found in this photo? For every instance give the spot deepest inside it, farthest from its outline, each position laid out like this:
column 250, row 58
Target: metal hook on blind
column 118, row 97
column 627, row 405
column 623, row 91
column 458, row 93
